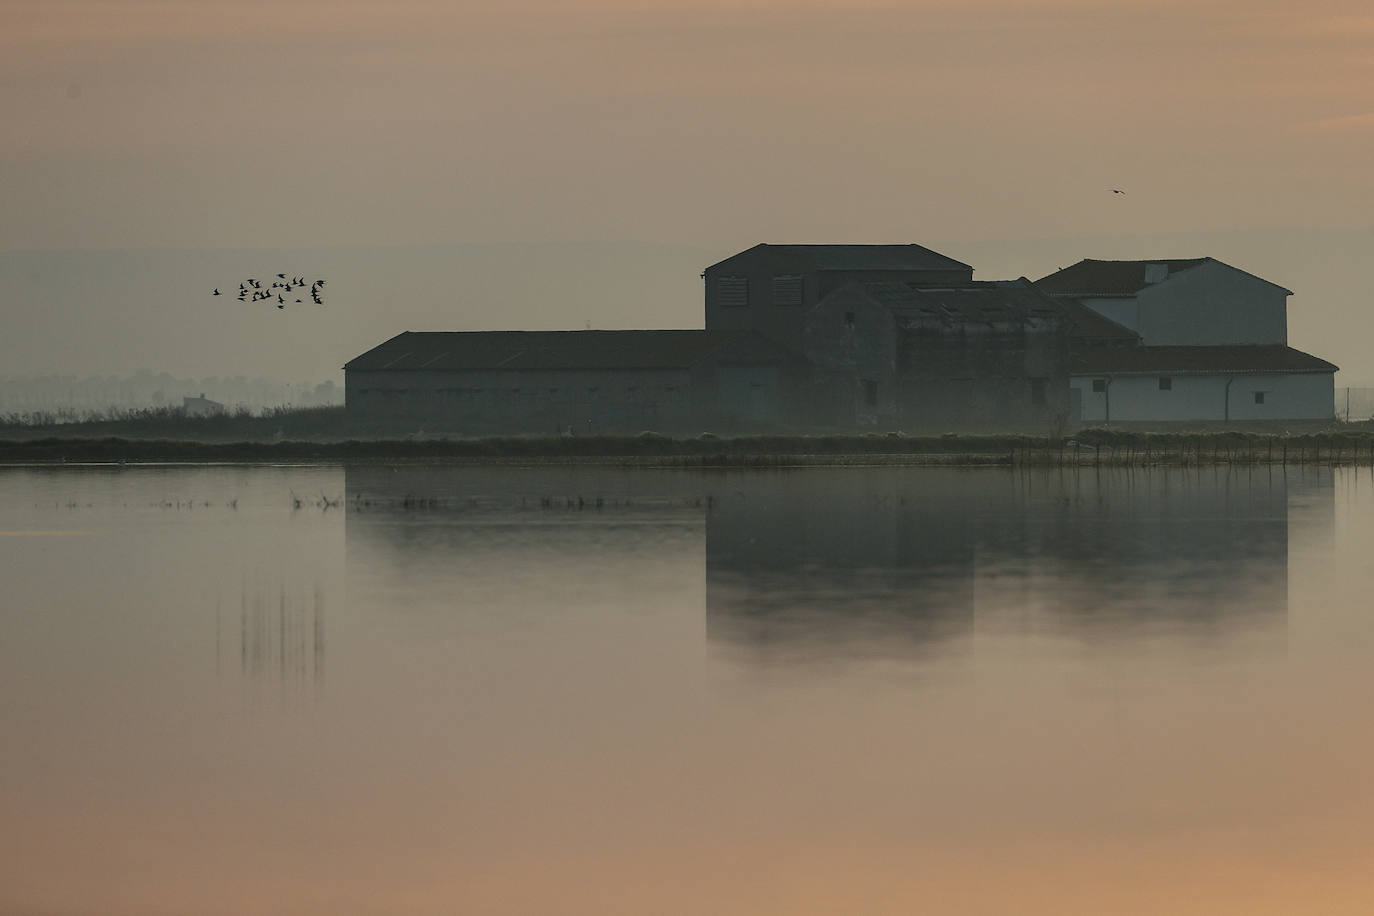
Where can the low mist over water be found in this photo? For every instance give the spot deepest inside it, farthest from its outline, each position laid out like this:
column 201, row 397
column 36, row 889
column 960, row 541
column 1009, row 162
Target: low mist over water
column 586, row 690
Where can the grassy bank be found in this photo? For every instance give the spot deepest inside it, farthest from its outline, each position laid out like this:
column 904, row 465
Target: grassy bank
column 1092, row 447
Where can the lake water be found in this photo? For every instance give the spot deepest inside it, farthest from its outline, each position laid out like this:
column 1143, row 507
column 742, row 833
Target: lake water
column 323, row 690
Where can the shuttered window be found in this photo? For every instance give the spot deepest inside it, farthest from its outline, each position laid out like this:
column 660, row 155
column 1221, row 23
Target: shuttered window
column 732, row 292
column 787, row 290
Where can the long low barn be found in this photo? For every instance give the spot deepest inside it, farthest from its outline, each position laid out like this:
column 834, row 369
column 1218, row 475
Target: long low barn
column 580, row 382
column 1268, row 382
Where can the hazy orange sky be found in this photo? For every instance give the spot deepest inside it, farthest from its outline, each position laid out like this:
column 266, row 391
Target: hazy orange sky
column 298, row 124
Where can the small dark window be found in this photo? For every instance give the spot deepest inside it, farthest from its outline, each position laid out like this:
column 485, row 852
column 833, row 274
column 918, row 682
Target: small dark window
column 732, row 292
column 849, row 319
column 870, row 393
column 1166, row 383
column 1259, row 397
column 1099, row 385
column 787, row 290
column 1038, row 386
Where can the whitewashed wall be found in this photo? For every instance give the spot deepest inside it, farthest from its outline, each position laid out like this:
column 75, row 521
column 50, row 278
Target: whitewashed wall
column 1287, row 396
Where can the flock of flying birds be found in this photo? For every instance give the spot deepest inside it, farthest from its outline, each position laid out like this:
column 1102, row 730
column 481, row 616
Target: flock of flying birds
column 283, row 289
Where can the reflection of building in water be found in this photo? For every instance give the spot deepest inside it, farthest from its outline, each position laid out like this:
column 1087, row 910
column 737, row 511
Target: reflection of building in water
column 871, row 561
column 277, row 633
column 1192, row 548
column 854, row 557
column 813, row 557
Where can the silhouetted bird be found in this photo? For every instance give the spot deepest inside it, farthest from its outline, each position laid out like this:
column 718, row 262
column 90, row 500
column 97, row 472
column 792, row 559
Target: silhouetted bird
column 217, row 292
column 279, row 299
column 281, row 276
column 1117, row 191
column 281, row 306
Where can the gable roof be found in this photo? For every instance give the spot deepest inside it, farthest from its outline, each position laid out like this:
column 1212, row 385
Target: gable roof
column 857, row 257
column 456, row 350
column 1195, row 360
column 1092, row 279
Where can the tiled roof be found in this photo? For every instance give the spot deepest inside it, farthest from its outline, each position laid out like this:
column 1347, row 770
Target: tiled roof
column 1164, row 360
column 1086, row 324
column 1089, row 278
column 861, row 257
column 438, row 350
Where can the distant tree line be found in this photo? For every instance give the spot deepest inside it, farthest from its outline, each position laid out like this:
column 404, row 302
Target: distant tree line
column 97, row 396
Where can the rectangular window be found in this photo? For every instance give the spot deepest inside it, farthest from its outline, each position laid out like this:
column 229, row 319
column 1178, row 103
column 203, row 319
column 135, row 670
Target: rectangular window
column 787, row 290
column 870, row 393
column 1259, row 397
column 732, row 292
column 1038, row 386
column 1166, row 383
column 1099, row 385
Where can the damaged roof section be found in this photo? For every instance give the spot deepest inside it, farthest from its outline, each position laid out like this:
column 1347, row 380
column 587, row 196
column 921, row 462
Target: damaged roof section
column 998, row 303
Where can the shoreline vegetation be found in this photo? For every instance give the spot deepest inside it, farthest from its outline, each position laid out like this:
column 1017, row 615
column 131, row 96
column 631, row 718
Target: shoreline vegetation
column 328, row 435
column 1096, row 447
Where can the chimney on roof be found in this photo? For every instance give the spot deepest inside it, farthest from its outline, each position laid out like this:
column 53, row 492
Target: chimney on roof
column 1156, row 272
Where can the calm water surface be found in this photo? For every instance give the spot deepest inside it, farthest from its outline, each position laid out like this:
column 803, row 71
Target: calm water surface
column 444, row 690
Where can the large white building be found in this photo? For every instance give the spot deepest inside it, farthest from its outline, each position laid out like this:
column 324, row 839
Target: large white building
column 1195, row 339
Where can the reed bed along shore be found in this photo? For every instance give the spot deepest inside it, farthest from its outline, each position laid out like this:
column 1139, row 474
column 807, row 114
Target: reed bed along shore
column 1090, row 447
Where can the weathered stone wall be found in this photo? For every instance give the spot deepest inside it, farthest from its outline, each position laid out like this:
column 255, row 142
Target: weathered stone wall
column 874, row 369
column 981, row 378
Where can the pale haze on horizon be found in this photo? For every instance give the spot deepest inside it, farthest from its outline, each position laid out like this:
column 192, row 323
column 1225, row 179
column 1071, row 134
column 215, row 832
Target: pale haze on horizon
column 551, row 165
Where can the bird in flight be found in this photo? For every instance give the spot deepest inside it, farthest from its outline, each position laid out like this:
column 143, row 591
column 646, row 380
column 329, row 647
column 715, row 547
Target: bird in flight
column 1116, row 191
column 278, row 290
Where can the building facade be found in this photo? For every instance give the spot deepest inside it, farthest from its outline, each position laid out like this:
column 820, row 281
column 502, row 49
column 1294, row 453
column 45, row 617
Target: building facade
column 812, row 338
column 771, row 288
column 578, row 382
column 1196, row 340
column 975, row 356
